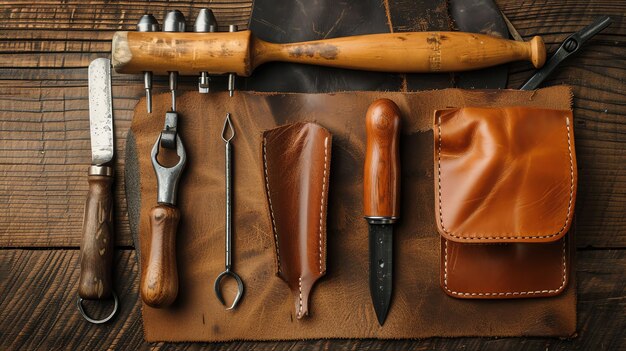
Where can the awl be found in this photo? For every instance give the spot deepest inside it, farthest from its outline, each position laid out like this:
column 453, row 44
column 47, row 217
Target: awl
column 96, row 257
column 381, row 197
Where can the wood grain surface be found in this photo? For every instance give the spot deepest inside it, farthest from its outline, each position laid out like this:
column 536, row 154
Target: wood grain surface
column 45, row 48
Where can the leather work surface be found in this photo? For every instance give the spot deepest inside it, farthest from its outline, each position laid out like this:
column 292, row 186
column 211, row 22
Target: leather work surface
column 340, row 305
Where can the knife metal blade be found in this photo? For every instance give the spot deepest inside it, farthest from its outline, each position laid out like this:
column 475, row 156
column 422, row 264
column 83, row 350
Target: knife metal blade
column 100, row 111
column 381, row 268
column 97, row 245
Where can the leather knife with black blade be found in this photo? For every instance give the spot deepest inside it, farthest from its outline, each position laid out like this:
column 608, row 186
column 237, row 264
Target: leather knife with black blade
column 484, row 17
column 381, row 198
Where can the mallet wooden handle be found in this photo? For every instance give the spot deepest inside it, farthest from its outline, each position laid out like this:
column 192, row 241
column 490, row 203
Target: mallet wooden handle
column 96, row 253
column 241, row 52
column 159, row 275
column 381, row 179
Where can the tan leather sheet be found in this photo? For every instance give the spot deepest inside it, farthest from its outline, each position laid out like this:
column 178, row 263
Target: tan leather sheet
column 340, row 303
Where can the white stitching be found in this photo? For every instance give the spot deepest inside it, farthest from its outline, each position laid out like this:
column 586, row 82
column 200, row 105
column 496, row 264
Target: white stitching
column 300, row 298
column 269, row 200
column 322, row 200
column 557, row 290
column 569, row 207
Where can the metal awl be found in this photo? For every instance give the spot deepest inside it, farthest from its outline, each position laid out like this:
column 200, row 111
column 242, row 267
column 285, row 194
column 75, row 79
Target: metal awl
column 228, row 133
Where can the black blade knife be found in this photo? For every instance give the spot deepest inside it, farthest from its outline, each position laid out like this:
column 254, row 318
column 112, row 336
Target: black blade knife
column 381, row 195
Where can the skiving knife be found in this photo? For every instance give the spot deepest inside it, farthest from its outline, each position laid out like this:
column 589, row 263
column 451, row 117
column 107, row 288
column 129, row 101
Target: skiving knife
column 97, row 242
column 381, row 198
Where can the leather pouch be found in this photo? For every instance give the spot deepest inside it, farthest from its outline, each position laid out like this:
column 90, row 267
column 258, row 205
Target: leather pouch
column 296, row 169
column 505, row 188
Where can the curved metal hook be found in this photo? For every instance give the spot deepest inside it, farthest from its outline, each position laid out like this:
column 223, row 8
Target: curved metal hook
column 79, row 303
column 218, row 292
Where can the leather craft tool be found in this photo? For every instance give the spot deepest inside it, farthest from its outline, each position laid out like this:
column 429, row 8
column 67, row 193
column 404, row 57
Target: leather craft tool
column 159, row 276
column 228, row 133
column 381, row 197
column 96, row 258
column 205, row 22
column 570, row 46
column 241, row 52
column 147, row 23
column 174, row 22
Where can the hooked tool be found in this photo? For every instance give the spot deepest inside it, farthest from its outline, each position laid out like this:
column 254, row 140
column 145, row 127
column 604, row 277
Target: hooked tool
column 228, row 133
column 381, row 197
column 570, row 46
column 96, row 259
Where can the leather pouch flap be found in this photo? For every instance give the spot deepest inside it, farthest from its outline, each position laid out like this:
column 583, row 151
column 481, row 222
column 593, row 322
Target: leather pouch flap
column 504, row 174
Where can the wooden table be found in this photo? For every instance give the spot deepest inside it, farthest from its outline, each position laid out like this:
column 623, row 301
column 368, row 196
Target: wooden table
column 44, row 152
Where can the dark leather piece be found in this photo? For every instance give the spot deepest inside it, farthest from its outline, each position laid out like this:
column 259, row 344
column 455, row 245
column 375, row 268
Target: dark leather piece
column 505, row 178
column 286, row 21
column 296, row 169
column 421, row 16
column 480, row 16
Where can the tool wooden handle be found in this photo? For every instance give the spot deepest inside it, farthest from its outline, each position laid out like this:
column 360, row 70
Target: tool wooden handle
column 381, row 180
column 241, row 52
column 96, row 256
column 159, row 276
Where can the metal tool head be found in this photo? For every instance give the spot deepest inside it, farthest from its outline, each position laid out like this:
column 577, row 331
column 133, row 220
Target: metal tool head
column 100, row 111
column 148, row 23
column 570, row 46
column 218, row 291
column 168, row 177
column 174, row 22
column 228, row 132
column 205, row 21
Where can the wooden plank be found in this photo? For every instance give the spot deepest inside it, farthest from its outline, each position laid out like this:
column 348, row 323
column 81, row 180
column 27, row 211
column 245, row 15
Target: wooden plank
column 45, row 48
column 38, row 311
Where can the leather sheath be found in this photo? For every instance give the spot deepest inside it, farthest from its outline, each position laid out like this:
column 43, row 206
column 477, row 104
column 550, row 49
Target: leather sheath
column 296, row 169
column 505, row 189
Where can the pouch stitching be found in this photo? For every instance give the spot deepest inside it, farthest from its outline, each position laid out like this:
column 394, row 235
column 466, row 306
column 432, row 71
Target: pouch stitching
column 300, row 297
column 322, row 200
column 269, row 200
column 569, row 206
column 550, row 291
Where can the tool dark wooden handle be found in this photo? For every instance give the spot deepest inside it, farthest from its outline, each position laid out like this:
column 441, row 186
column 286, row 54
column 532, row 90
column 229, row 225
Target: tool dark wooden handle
column 96, row 257
column 241, row 52
column 381, row 181
column 159, row 276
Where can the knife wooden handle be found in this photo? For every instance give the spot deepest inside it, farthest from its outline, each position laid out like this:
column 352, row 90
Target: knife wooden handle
column 381, row 180
column 96, row 256
column 241, row 52
column 159, row 276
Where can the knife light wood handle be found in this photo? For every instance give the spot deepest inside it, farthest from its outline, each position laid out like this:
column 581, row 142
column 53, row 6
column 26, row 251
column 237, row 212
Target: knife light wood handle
column 241, row 52
column 159, row 276
column 96, row 258
column 381, row 181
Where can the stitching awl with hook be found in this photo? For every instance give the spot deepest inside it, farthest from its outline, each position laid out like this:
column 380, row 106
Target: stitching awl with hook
column 228, row 133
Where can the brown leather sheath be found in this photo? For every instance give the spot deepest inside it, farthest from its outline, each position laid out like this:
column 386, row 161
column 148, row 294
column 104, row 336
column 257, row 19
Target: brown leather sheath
column 296, row 169
column 505, row 188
